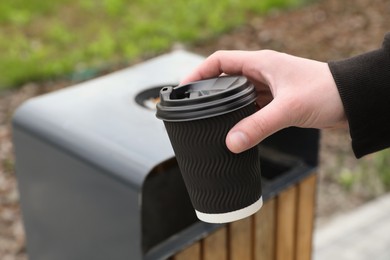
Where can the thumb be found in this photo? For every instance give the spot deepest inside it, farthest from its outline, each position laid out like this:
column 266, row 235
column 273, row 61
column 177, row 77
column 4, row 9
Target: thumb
column 255, row 128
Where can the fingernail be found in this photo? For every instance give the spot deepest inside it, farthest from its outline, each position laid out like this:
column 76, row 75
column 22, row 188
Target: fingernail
column 238, row 142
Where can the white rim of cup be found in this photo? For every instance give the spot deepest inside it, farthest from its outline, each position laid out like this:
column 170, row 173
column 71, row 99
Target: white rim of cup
column 230, row 216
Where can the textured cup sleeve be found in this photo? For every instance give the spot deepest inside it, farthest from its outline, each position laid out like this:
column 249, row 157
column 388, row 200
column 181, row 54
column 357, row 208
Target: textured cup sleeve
column 363, row 82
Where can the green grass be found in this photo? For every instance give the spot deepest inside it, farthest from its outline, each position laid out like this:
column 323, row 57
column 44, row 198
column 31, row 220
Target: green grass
column 40, row 40
column 369, row 178
column 382, row 161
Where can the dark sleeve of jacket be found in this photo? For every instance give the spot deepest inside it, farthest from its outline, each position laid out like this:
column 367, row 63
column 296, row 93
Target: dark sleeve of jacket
column 364, row 85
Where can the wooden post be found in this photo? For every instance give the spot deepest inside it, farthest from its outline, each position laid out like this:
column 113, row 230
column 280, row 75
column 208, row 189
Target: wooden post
column 285, row 224
column 264, row 237
column 241, row 239
column 192, row 252
column 215, row 246
column 305, row 217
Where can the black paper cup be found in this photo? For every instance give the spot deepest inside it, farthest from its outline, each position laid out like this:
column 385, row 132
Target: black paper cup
column 223, row 186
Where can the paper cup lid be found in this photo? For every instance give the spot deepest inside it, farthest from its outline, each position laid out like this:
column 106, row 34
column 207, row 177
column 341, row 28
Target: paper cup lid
column 205, row 98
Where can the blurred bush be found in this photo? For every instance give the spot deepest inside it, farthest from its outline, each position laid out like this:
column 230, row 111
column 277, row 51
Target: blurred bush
column 45, row 39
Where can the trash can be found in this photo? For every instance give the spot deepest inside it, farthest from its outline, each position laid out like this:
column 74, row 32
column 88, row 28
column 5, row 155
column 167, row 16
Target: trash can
column 98, row 178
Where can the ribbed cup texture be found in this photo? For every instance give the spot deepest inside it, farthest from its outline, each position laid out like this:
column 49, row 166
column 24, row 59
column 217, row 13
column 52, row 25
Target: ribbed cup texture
column 217, row 180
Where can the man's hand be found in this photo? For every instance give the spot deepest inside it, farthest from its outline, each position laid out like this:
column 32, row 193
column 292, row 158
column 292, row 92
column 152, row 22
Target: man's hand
column 291, row 91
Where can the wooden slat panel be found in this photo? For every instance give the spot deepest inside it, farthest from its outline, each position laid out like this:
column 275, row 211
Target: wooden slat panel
column 285, row 224
column 283, row 231
column 241, row 239
column 305, row 217
column 192, row 252
column 264, row 239
column 215, row 245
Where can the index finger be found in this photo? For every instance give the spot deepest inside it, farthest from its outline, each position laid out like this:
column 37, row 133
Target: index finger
column 228, row 62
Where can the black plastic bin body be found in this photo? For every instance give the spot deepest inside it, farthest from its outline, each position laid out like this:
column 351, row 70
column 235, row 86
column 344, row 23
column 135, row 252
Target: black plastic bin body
column 97, row 174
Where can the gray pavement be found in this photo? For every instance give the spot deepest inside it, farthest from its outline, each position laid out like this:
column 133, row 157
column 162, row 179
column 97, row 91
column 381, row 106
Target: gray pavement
column 362, row 234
